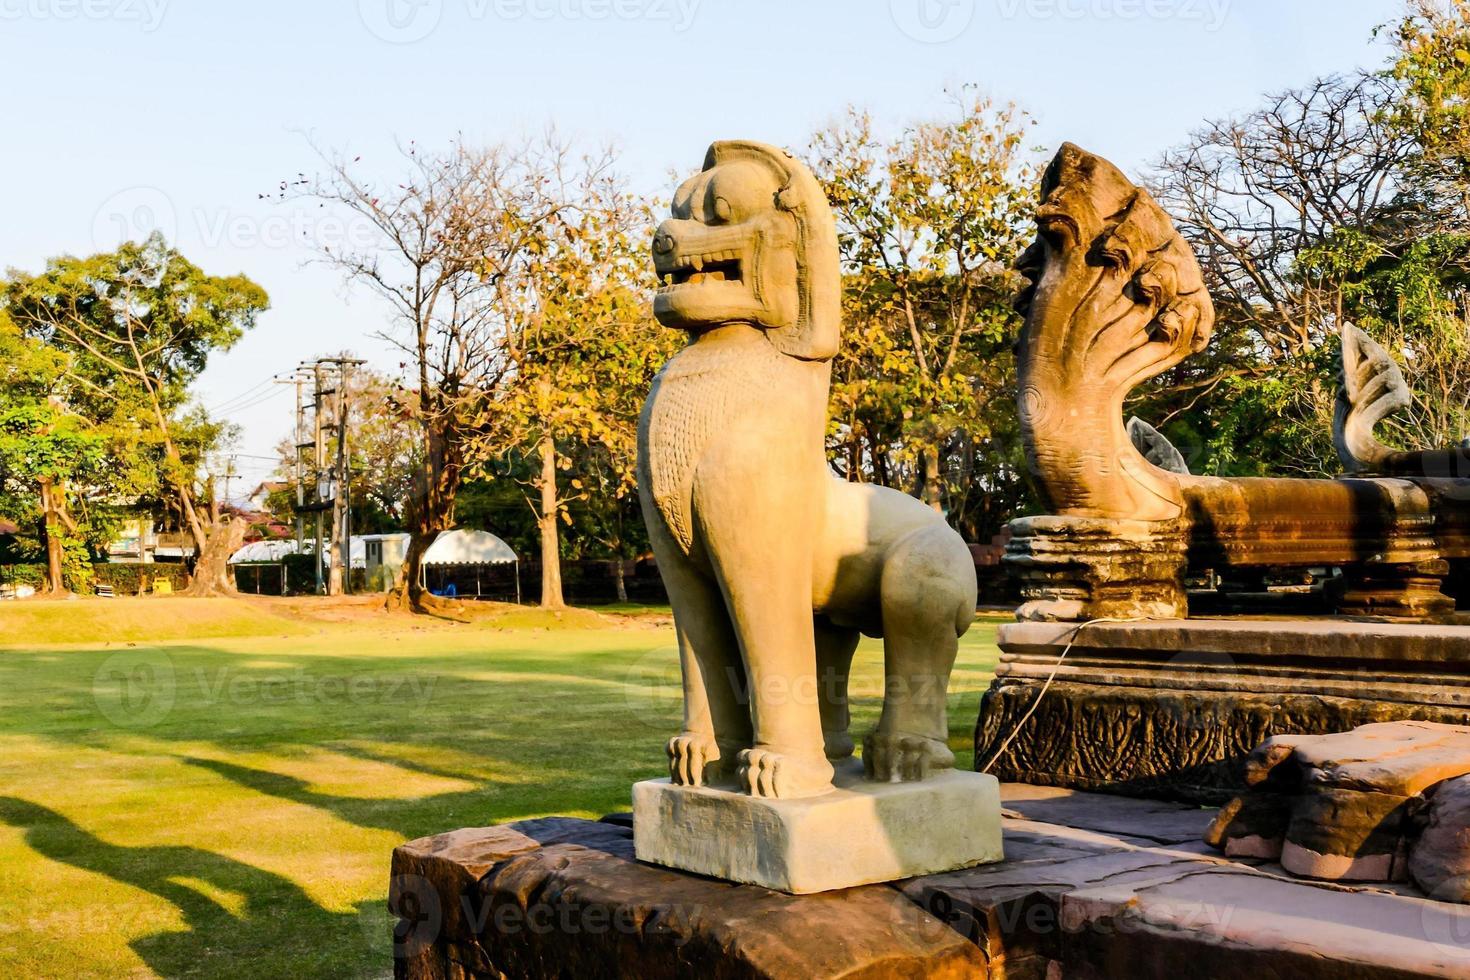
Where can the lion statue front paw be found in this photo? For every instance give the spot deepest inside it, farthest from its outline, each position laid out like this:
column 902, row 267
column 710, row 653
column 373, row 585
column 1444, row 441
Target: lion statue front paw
column 777, row 776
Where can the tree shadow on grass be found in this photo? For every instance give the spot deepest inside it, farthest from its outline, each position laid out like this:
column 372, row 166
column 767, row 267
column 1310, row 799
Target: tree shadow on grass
column 411, row 818
column 272, row 912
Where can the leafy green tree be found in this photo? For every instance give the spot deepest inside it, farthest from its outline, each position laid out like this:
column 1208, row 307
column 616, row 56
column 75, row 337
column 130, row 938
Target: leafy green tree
column 1433, row 66
column 46, row 453
column 584, row 349
column 930, row 222
column 136, row 327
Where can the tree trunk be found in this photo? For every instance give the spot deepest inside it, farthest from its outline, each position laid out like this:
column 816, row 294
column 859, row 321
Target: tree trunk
column 335, row 571
column 408, row 593
column 932, row 494
column 407, row 585
column 212, row 573
column 55, row 548
column 551, row 594
column 620, row 581
column 430, row 510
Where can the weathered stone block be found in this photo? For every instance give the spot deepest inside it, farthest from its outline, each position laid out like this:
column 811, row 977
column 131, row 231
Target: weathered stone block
column 576, row 904
column 1075, row 568
column 1440, row 860
column 860, row 833
column 1345, row 807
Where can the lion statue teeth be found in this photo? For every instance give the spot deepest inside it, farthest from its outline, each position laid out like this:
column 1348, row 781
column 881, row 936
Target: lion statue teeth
column 774, row 566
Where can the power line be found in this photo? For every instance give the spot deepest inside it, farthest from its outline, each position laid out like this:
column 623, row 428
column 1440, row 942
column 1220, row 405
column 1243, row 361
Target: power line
column 258, row 400
column 243, row 395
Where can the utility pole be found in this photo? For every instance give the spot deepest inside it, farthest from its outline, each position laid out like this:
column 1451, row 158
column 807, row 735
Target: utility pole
column 316, row 468
column 330, row 485
column 230, row 474
column 334, row 482
column 342, row 500
column 298, row 475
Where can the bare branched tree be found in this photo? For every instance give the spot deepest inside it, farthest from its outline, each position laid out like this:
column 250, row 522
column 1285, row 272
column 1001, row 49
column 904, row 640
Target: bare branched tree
column 451, row 240
column 1252, row 194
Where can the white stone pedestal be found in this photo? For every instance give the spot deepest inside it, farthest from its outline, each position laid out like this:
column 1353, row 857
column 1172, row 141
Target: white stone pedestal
column 858, row 834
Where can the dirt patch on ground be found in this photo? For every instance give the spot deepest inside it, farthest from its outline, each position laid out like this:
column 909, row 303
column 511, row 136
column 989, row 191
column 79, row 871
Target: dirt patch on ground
column 371, row 610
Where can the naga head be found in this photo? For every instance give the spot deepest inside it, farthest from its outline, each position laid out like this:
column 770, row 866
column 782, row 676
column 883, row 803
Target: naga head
column 1116, row 297
column 752, row 240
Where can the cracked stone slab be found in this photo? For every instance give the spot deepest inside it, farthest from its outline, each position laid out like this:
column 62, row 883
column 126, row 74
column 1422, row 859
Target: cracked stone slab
column 559, row 897
column 1157, row 820
column 1213, row 924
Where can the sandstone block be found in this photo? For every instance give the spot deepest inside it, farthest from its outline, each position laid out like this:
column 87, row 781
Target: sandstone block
column 860, row 833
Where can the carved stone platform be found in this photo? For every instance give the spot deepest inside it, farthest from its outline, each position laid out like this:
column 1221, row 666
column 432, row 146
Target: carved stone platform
column 1173, row 708
column 1093, row 886
column 861, row 833
column 1076, row 568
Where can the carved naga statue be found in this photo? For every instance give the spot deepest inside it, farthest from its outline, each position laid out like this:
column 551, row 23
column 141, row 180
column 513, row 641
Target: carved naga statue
column 1116, row 298
column 1373, row 389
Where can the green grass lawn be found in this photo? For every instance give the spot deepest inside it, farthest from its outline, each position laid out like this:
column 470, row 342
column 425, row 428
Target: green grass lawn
column 225, row 803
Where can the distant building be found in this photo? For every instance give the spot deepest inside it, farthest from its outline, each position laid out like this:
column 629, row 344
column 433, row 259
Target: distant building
column 136, row 542
column 382, row 555
column 260, row 566
column 259, row 499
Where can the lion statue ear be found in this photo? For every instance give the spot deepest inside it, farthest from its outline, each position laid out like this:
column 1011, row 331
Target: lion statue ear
column 818, row 330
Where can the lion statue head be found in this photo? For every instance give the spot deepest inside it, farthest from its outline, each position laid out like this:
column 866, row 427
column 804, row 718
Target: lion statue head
column 752, row 240
column 1116, row 297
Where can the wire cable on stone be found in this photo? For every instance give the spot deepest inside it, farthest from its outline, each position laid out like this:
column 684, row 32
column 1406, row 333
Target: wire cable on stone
column 1076, row 632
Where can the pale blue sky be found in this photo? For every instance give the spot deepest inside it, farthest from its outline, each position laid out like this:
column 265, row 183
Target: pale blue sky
column 121, row 113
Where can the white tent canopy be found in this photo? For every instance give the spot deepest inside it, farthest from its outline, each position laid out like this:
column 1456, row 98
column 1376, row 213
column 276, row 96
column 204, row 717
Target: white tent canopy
column 469, row 548
column 263, row 551
column 270, row 552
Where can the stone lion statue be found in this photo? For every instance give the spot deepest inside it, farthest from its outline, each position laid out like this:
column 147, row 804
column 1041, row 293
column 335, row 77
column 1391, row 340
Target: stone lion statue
column 774, row 566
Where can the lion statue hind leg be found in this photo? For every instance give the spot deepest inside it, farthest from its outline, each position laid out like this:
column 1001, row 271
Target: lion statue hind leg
column 835, row 648
column 928, row 596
